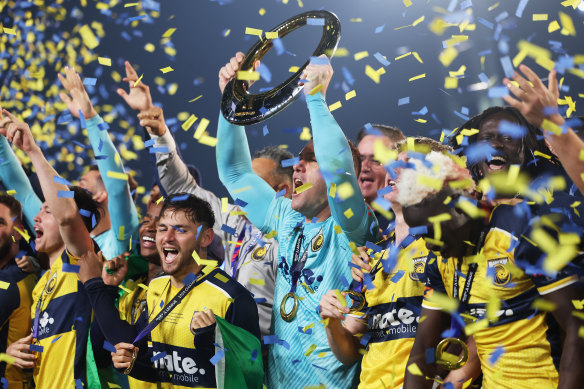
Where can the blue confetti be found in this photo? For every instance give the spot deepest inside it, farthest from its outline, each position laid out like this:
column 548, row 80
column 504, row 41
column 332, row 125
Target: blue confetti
column 379, row 29
column 62, row 181
column 419, row 230
column 315, row 21
column 398, row 276
column 189, row 278
column 162, row 150
column 254, row 355
column 89, row 81
column 69, row 194
column 507, row 66
column 494, row 357
column 319, row 61
column 403, row 101
column 109, row 347
column 149, row 143
column 265, row 129
column 290, row 162
column 178, row 229
column 36, row 348
column 240, row 203
column 381, row 58
column 158, row 356
column 498, row 92
column 229, row 230
column 217, row 357
column 479, row 152
column 69, row 268
column 514, row 130
column 281, row 193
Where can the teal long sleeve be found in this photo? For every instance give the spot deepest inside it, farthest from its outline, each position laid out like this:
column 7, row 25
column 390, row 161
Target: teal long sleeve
column 235, row 172
column 121, row 207
column 14, row 178
column 335, row 160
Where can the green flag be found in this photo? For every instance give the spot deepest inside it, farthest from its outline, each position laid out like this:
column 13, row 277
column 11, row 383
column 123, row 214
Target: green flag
column 239, row 355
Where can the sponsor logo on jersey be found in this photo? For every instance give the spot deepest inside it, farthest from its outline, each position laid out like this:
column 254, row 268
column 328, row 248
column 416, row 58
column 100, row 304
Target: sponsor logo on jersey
column 259, row 253
column 51, row 284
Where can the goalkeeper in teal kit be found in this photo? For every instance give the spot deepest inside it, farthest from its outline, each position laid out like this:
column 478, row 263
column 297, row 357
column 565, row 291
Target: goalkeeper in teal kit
column 315, row 230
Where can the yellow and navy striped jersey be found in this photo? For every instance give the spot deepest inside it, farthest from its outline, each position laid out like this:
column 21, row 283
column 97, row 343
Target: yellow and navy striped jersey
column 130, row 307
column 393, row 310
column 180, row 357
column 514, row 327
column 64, row 318
column 15, row 303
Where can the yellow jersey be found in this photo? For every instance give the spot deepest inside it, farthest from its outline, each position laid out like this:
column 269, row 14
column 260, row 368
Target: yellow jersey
column 392, row 311
column 180, row 358
column 512, row 344
column 15, row 303
column 64, row 316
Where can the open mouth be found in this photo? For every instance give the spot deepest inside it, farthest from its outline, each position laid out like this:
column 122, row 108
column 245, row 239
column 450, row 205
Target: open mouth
column 148, row 242
column 297, row 183
column 365, row 180
column 497, row 163
column 39, row 233
column 170, row 254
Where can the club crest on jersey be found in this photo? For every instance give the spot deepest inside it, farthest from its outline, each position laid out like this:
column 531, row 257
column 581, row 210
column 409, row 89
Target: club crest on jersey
column 51, row 284
column 259, row 253
column 317, row 241
column 419, row 267
column 498, row 268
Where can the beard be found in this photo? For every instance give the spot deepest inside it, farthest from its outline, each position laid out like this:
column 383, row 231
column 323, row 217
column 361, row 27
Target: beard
column 4, row 250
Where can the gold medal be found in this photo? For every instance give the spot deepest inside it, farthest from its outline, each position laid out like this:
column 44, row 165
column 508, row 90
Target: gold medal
column 356, row 296
column 134, row 356
column 292, row 314
column 447, row 360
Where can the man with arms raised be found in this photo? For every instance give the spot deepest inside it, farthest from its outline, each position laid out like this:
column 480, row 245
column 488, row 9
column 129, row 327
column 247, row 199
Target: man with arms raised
column 61, row 312
column 314, row 232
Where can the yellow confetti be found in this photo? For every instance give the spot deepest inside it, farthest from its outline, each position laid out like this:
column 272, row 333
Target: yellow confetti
column 196, row 98
column 253, row 31
column 448, row 55
column 11, row 192
column 335, row 106
column 303, row 187
column 345, row 190
column 201, row 128
column 540, row 154
column 189, row 122
column 356, row 20
column 348, row 213
column 168, row 33
column 23, row 233
column 403, row 55
column 210, row 141
column 271, row 234
column 143, row 286
column 418, row 21
column 124, row 289
column 545, row 63
column 473, row 328
column 246, row 75
column 117, row 175
column 417, row 57
column 407, row 3
column 374, row 74
column 417, row 77
column 257, row 281
column 360, row 55
column 539, row 17
column 121, row 232
column 227, row 32
column 242, row 189
column 492, row 7
column 221, row 277
column 315, row 90
column 4, row 285
column 340, row 297
column 581, row 157
column 543, row 305
column 551, row 127
column 333, row 190
column 567, row 24
column 9, row 31
column 166, row 69
column 553, row 26
column 413, row 369
column 271, row 34
column 305, row 134
column 6, row 358
column 338, row 229
column 293, row 69
column 580, row 334
column 310, row 350
column 450, row 82
column 430, row 182
column 138, row 80
column 149, row 47
column 262, row 11
column 88, row 37
column 161, row 199
column 104, row 61
column 349, row 95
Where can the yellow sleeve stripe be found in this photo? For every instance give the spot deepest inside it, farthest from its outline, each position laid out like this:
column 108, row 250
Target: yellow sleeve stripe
column 428, row 305
column 557, row 285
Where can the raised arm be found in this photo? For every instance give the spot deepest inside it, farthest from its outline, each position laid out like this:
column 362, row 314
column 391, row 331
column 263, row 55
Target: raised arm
column 120, row 203
column 536, row 103
column 234, row 160
column 334, row 156
column 14, row 178
column 71, row 226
